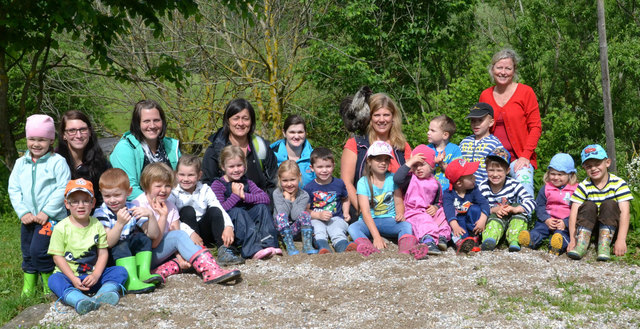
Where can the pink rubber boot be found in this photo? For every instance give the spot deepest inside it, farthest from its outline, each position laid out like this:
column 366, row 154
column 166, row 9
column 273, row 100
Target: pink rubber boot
column 365, row 247
column 167, row 269
column 408, row 244
column 204, row 264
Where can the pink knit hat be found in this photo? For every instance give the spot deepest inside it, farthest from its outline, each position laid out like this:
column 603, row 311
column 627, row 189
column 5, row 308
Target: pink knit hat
column 428, row 153
column 40, row 125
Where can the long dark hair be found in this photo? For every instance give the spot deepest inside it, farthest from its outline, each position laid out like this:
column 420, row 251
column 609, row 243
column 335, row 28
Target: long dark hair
column 92, row 154
column 146, row 104
column 234, row 107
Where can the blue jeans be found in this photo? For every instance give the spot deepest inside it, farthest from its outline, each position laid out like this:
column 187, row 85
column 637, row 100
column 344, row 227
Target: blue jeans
column 467, row 221
column 171, row 242
column 130, row 246
column 59, row 283
column 524, row 176
column 387, row 226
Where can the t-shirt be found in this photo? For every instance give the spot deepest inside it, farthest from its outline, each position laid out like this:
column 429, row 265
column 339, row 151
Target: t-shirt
column 451, row 151
column 172, row 215
column 78, row 245
column 383, row 203
column 108, row 219
column 615, row 189
column 393, row 166
column 474, row 150
column 327, row 197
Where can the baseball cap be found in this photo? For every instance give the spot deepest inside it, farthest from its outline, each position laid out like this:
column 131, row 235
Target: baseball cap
column 379, row 148
column 562, row 162
column 79, row 184
column 458, row 168
column 479, row 110
column 429, row 154
column 593, row 151
column 500, row 154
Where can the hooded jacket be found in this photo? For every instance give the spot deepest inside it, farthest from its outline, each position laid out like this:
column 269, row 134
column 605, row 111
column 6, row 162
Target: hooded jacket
column 304, row 163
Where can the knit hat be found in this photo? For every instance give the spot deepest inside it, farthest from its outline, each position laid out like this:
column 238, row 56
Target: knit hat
column 79, row 184
column 593, row 151
column 562, row 162
column 379, row 148
column 458, row 168
column 428, row 153
column 40, row 125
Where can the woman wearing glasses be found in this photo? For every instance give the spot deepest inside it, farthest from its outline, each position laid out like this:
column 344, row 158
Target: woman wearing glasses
column 78, row 144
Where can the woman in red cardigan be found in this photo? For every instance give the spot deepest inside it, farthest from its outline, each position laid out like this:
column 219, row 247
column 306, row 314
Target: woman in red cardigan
column 517, row 117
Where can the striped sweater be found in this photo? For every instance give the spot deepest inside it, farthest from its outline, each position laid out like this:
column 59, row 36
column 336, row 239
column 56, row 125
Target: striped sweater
column 616, row 189
column 252, row 194
column 511, row 192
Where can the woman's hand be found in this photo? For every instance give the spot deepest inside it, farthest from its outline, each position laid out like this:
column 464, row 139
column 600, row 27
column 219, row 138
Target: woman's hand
column 521, row 163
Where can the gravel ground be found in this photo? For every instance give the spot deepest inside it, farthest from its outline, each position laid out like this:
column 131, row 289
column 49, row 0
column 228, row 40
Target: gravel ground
column 530, row 289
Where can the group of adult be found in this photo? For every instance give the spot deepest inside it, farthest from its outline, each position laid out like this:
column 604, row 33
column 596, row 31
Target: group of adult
column 517, row 125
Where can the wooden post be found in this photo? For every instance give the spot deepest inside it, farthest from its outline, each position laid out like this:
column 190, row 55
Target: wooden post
column 606, row 88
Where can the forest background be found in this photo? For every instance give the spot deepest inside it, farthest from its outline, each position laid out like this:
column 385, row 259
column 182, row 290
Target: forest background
column 304, row 57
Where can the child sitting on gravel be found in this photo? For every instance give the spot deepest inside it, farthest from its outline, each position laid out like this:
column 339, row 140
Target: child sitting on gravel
column 423, row 199
column 552, row 206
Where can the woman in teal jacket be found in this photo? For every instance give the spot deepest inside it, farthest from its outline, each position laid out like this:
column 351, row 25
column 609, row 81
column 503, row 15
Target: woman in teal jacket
column 144, row 143
column 295, row 146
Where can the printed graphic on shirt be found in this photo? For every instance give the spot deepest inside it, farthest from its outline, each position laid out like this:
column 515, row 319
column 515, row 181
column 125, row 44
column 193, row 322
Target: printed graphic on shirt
column 567, row 197
column 461, row 208
column 383, row 203
column 324, row 201
column 85, row 260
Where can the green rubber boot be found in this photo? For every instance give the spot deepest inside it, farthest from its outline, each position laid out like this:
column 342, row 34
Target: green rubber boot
column 29, row 284
column 604, row 242
column 516, row 226
column 143, row 262
column 492, row 234
column 133, row 284
column 582, row 243
column 45, row 282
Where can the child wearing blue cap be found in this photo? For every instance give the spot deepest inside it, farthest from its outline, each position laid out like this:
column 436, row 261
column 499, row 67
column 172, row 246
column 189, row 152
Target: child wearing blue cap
column 602, row 199
column 552, row 206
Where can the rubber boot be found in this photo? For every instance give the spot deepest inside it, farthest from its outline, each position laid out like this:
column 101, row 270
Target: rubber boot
column 556, row 244
column 167, row 269
column 29, row 284
column 79, row 301
column 143, row 263
column 108, row 293
column 582, row 243
column 524, row 239
column 516, row 226
column 307, row 240
column 406, row 242
column 45, row 282
column 365, row 247
column 491, row 235
column 287, row 238
column 133, row 284
column 203, row 263
column 604, row 243
column 344, row 245
column 323, row 246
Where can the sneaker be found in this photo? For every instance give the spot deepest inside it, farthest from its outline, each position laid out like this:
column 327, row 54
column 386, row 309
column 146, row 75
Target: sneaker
column 465, row 245
column 488, row 244
column 555, row 244
column 433, row 249
column 524, row 239
column 442, row 243
column 324, row 251
column 514, row 247
column 227, row 257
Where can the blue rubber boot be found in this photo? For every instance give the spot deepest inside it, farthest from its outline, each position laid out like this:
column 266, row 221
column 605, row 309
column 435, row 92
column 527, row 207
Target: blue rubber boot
column 287, row 238
column 76, row 299
column 307, row 240
column 108, row 294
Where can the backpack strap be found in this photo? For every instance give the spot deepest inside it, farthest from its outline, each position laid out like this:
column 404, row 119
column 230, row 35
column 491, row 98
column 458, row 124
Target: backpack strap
column 260, row 148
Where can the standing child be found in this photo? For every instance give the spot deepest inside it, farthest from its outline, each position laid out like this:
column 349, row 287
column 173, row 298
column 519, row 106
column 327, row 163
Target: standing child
column 601, row 200
column 130, row 230
column 156, row 181
column 328, row 203
column 79, row 249
column 247, row 206
column 511, row 205
column 289, row 209
column 423, row 200
column 552, row 206
column 464, row 206
column 477, row 146
column 200, row 209
column 36, row 190
column 441, row 129
column 380, row 201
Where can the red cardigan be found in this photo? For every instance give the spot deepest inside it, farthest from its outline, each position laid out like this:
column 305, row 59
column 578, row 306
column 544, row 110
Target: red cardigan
column 521, row 120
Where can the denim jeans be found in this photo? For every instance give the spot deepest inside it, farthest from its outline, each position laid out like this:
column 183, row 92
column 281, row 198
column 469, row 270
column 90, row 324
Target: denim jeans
column 59, row 282
column 171, row 242
column 130, row 246
column 387, row 226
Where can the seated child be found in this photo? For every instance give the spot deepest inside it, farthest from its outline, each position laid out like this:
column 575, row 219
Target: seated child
column 157, row 180
column 464, row 206
column 441, row 129
column 601, row 201
column 477, row 146
column 247, row 205
column 552, row 206
column 200, row 209
column 79, row 249
column 423, row 200
column 129, row 230
column 380, row 201
column 328, row 203
column 289, row 209
column 511, row 205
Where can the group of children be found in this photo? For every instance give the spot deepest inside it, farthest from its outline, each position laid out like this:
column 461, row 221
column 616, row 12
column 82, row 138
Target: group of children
column 431, row 200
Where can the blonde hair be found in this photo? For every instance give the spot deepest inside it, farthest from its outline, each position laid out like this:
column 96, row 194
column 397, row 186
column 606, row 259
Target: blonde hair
column 157, row 172
column 114, row 178
column 446, row 124
column 189, row 160
column 573, row 178
column 288, row 166
column 504, row 54
column 230, row 152
column 396, row 137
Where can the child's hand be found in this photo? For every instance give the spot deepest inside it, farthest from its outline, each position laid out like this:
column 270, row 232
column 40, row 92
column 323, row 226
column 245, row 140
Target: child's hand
column 551, row 223
column 346, row 216
column 325, row 215
column 560, row 225
column 503, row 211
column 237, row 189
column 78, row 284
column 620, row 247
column 416, row 158
column 399, row 217
column 438, row 159
column 379, row 243
column 182, row 263
column 89, row 281
column 572, row 244
column 28, row 218
column 456, row 229
column 195, row 237
column 41, row 218
column 123, row 216
column 480, row 225
column 431, row 210
column 227, row 236
column 160, row 207
column 139, row 212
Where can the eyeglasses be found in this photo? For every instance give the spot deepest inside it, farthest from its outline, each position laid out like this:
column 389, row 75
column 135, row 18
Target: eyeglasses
column 75, row 203
column 73, row 131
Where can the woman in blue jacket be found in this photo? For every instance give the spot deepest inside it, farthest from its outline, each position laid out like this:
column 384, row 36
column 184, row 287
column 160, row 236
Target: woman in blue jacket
column 295, row 146
column 144, row 143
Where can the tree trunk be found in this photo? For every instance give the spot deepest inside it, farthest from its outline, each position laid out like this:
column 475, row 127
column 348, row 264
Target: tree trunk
column 606, row 88
column 8, row 151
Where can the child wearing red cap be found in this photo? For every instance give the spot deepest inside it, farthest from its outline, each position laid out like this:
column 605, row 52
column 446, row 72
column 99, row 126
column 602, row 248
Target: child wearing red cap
column 36, row 190
column 423, row 199
column 464, row 206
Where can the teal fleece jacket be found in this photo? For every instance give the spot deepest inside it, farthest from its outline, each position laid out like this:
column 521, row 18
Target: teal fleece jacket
column 129, row 156
column 39, row 186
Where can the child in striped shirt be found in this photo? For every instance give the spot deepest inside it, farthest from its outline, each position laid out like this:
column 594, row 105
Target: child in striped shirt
column 603, row 199
column 476, row 147
column 511, row 205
